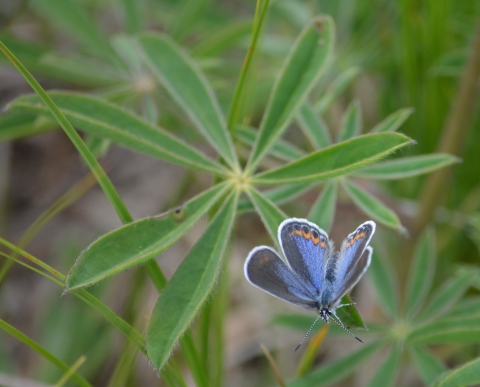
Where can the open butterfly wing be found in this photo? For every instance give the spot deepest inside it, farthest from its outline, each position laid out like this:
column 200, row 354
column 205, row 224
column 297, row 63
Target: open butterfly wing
column 266, row 270
column 353, row 260
column 306, row 248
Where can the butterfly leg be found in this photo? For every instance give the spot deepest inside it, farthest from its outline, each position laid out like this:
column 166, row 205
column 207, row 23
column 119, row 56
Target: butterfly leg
column 352, row 303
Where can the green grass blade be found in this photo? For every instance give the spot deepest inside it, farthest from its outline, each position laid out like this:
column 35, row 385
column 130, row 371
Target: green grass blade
column 323, row 210
column 388, row 370
column 79, row 380
column 278, row 196
column 106, row 120
column 351, row 125
column 189, row 287
column 179, row 74
column 448, row 295
column 282, row 149
column 427, row 365
column 270, row 214
column 422, row 270
column 372, row 206
column 465, row 330
column 466, row 375
column 407, row 166
column 336, row 160
column 385, row 283
column 238, row 98
column 331, row 373
column 139, row 241
column 338, row 87
column 393, row 121
column 300, row 72
column 314, row 127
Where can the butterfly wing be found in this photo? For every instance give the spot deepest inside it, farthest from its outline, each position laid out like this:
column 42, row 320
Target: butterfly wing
column 306, row 248
column 352, row 262
column 266, row 270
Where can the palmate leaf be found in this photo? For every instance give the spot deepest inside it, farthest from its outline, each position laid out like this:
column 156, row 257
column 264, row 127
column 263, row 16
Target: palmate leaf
column 190, row 286
column 179, row 74
column 300, row 71
column 106, row 120
column 335, row 160
column 393, row 121
column 139, row 241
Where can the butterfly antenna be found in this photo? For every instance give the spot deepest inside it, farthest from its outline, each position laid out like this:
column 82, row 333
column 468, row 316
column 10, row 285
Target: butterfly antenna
column 340, row 324
column 304, row 337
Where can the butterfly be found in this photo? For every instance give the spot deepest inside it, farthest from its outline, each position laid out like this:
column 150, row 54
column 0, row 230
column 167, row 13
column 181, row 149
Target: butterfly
column 314, row 276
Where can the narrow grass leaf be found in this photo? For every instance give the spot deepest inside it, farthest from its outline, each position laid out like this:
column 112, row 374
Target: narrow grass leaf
column 331, row 373
column 270, row 214
column 427, row 365
column 351, row 125
column 335, row 160
column 407, row 166
column 386, row 289
column 300, row 72
column 323, row 210
column 179, row 74
column 422, row 269
column 337, row 88
column 278, row 196
column 139, row 241
column 314, row 127
column 372, row 206
column 106, row 120
column 190, row 286
column 393, row 121
column 282, row 149
column 448, row 295
column 466, row 375
column 464, row 330
column 388, row 370
column 76, row 378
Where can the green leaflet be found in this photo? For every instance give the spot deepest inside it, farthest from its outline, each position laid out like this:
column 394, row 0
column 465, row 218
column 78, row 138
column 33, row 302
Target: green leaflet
column 372, row 206
column 139, row 241
column 407, row 166
column 300, row 72
column 106, row 120
column 179, row 74
column 336, row 160
column 190, row 286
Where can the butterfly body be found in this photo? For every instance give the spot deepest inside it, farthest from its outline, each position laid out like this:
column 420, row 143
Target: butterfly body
column 313, row 275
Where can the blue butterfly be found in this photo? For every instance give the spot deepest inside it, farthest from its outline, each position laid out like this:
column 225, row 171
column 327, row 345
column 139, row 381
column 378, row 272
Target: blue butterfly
column 314, row 275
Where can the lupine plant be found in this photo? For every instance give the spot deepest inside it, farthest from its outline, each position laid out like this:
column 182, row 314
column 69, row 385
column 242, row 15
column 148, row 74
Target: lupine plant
column 243, row 180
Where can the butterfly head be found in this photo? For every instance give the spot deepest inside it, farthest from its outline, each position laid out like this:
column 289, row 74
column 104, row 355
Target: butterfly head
column 325, row 314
